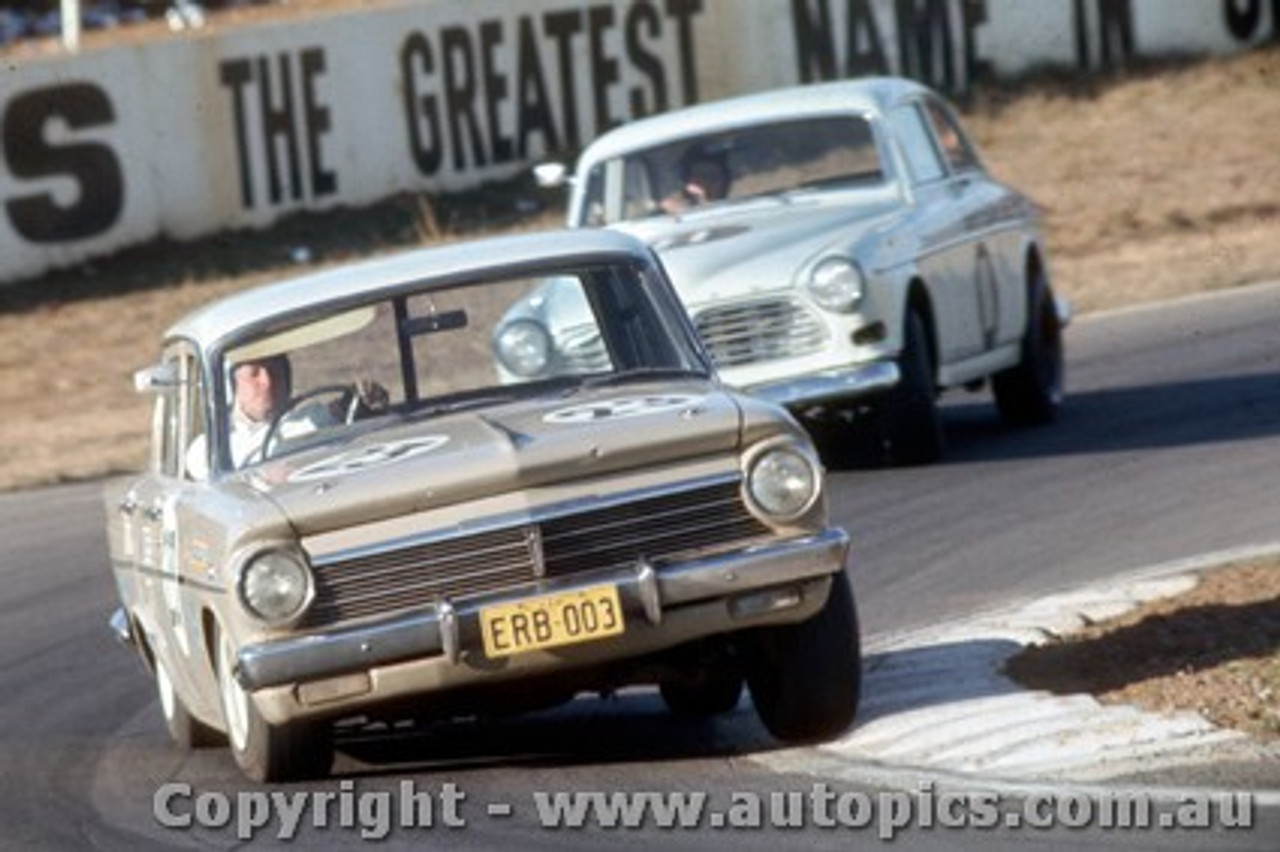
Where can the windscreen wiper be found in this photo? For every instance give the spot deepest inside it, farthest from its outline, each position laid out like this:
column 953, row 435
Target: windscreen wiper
column 641, row 374
column 450, row 406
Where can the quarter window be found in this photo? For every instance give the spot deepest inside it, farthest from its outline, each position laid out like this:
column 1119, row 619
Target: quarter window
column 917, row 146
column 955, row 147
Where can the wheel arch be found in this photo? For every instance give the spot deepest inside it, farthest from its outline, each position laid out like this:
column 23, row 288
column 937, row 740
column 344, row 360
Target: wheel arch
column 143, row 644
column 918, row 301
column 209, row 637
column 1034, row 268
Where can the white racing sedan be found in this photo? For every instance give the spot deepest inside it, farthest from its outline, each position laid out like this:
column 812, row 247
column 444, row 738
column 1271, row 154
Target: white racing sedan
column 353, row 511
column 842, row 251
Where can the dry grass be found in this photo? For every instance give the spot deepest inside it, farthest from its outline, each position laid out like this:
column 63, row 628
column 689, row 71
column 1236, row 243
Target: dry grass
column 1214, row 649
column 1156, row 185
column 1160, row 185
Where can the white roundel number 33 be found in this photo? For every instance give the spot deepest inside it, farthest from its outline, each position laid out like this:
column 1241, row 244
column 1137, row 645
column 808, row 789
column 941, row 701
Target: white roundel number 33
column 365, row 458
column 620, row 408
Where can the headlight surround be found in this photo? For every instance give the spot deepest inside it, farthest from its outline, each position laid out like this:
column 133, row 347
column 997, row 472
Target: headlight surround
column 783, row 482
column 276, row 587
column 524, row 347
column 836, row 284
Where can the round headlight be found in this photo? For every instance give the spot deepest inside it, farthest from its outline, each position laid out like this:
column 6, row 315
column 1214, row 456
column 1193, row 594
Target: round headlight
column 836, row 284
column 783, row 483
column 275, row 586
column 524, row 347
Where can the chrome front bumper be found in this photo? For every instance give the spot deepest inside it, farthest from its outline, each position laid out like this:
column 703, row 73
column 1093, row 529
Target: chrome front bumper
column 121, row 628
column 447, row 634
column 830, row 387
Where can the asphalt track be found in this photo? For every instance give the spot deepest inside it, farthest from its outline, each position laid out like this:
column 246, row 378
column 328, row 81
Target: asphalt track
column 1169, row 447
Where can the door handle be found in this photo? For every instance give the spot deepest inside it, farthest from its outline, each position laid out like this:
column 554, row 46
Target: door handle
column 153, row 513
column 127, row 506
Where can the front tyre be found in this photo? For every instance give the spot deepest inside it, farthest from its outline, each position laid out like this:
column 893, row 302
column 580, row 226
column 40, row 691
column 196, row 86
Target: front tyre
column 1030, row 393
column 266, row 752
column 805, row 678
column 185, row 730
column 909, row 414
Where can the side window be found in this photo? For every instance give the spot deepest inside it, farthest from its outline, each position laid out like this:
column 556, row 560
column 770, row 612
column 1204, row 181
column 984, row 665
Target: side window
column 593, row 202
column 195, row 458
column 610, row 188
column 159, row 432
column 178, row 433
column 955, row 147
column 639, row 197
column 917, row 147
column 166, row 432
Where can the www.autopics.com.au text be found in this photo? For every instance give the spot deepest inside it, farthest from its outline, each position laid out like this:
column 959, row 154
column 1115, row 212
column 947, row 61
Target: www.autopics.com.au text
column 376, row 814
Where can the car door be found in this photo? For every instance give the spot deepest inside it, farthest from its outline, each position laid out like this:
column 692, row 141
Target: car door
column 140, row 508
column 159, row 499
column 130, row 527
column 944, row 254
column 977, row 207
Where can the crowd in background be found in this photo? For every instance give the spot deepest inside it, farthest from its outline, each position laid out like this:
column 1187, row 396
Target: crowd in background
column 43, row 18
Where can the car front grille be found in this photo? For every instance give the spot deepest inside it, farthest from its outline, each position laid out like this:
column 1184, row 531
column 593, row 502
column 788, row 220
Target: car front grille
column 418, row 575
column 662, row 528
column 582, row 350
column 760, row 331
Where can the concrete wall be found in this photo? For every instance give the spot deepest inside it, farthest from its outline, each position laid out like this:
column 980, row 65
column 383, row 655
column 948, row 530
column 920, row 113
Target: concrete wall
column 236, row 128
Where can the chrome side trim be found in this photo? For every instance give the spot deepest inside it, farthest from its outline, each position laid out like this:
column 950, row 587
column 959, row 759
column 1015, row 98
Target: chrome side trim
column 846, row 385
column 432, row 633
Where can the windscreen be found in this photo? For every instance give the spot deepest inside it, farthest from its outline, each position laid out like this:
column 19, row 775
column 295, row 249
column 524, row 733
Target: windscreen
column 733, row 164
column 444, row 348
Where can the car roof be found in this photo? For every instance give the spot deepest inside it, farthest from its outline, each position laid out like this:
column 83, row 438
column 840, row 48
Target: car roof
column 870, row 95
column 406, row 271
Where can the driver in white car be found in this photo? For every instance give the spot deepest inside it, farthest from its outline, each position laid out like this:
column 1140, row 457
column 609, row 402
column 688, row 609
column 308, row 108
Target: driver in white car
column 704, row 177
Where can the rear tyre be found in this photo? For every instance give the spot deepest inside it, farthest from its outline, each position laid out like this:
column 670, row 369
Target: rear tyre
column 805, row 678
column 185, row 730
column 266, row 752
column 909, row 414
column 1030, row 393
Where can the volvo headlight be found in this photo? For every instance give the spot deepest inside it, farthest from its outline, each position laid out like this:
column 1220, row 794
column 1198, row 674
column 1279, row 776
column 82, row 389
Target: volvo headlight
column 783, row 482
column 836, row 284
column 276, row 586
column 524, row 347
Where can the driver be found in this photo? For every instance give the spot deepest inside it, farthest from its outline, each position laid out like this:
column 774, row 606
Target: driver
column 261, row 389
column 704, row 177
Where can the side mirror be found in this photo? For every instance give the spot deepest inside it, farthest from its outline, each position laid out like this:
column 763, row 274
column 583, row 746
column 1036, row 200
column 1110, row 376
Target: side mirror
column 158, row 378
column 551, row 175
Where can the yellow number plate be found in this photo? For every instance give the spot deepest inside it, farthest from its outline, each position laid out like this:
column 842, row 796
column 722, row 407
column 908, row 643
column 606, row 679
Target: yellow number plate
column 551, row 621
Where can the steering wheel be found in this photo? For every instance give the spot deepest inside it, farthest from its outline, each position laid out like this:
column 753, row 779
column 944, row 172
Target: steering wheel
column 348, row 401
